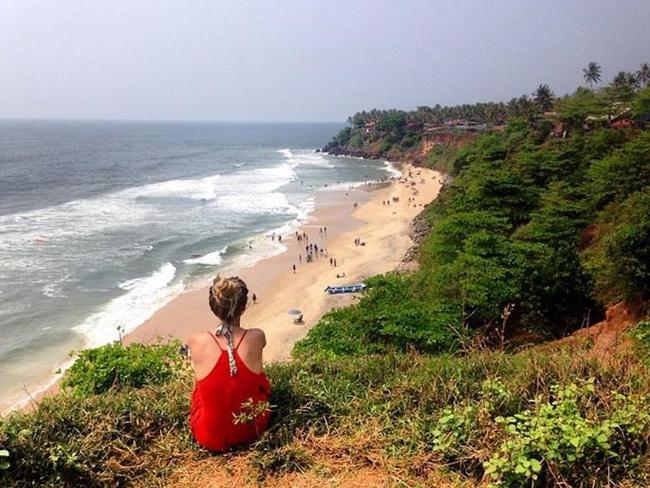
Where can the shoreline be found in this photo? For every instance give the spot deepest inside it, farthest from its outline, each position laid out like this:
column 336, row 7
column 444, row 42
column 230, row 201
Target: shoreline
column 385, row 229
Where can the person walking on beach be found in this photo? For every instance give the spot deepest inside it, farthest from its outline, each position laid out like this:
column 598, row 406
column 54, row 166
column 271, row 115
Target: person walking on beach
column 293, row 266
column 229, row 375
column 254, row 298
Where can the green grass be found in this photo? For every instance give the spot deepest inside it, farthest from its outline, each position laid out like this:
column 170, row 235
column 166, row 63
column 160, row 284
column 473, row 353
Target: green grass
column 448, row 409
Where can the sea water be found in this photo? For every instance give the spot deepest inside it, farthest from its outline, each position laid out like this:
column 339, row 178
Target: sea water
column 102, row 223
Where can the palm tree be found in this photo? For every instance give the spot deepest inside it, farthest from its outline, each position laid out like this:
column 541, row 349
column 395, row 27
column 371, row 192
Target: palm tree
column 632, row 80
column 592, row 73
column 544, row 97
column 643, row 75
column 624, row 79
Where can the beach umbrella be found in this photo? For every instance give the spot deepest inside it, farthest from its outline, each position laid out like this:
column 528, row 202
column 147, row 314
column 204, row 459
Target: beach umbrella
column 294, row 311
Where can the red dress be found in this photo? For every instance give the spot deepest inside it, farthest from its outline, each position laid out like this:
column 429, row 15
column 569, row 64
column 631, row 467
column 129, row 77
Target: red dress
column 218, row 398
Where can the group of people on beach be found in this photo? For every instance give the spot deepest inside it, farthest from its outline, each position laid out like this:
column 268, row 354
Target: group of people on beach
column 312, row 250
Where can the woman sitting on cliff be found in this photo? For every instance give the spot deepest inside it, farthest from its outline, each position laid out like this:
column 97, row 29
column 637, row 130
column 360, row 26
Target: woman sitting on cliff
column 230, row 398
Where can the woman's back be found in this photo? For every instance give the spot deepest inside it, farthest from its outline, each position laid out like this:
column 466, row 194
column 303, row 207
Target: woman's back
column 228, row 409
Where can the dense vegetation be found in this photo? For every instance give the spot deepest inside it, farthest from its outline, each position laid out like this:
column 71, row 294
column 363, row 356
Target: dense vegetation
column 537, row 231
column 395, row 134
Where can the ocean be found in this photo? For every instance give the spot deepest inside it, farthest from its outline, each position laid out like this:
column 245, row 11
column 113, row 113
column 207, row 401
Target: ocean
column 102, row 223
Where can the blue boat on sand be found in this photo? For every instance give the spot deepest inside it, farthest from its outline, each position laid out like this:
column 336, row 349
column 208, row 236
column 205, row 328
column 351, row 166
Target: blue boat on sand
column 355, row 288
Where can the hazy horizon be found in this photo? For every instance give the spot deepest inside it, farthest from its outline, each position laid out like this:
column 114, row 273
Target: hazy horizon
column 299, row 61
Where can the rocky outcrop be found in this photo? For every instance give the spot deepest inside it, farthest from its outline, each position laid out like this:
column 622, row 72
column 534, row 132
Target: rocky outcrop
column 416, row 155
column 420, row 228
column 365, row 152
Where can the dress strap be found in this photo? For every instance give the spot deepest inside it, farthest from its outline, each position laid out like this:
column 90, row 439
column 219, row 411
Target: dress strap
column 241, row 339
column 215, row 339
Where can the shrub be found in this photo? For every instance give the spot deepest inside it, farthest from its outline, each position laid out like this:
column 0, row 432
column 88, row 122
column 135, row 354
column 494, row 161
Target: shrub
column 410, row 140
column 441, row 157
column 388, row 317
column 562, row 440
column 622, row 173
column 356, row 140
column 385, row 145
column 116, row 366
column 619, row 259
column 116, row 439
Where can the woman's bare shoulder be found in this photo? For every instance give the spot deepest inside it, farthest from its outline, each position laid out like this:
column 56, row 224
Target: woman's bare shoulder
column 197, row 338
column 198, row 342
column 257, row 335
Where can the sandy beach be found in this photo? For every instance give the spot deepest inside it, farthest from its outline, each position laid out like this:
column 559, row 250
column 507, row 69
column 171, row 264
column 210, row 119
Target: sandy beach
column 382, row 227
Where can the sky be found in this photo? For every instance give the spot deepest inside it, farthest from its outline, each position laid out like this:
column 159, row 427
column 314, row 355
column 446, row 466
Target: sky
column 241, row 60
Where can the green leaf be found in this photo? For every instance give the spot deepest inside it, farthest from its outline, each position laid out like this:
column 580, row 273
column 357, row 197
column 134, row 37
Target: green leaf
column 535, row 465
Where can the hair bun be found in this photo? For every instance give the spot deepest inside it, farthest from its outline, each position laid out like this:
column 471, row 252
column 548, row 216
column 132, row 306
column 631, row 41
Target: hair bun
column 228, row 297
column 224, row 288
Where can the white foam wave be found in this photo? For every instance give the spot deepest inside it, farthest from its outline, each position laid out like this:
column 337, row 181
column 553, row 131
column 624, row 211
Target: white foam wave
column 306, row 157
column 211, row 259
column 390, row 167
column 262, row 247
column 351, row 185
column 142, row 298
column 194, row 189
column 52, row 290
column 133, row 206
column 256, row 191
column 274, row 177
column 269, row 203
column 344, row 186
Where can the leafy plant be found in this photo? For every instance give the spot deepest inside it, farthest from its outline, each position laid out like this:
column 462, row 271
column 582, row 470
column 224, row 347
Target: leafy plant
column 115, row 366
column 559, row 440
column 250, row 410
column 641, row 336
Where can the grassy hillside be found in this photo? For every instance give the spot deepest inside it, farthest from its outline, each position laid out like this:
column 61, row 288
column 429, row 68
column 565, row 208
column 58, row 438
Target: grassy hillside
column 448, row 376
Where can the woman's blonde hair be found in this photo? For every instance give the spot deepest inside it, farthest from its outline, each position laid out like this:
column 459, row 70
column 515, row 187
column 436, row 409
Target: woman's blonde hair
column 228, row 297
